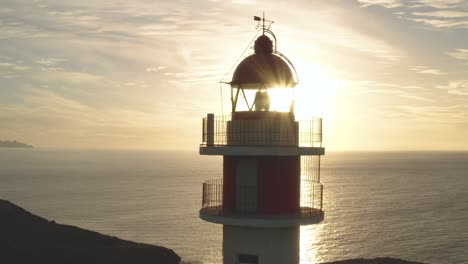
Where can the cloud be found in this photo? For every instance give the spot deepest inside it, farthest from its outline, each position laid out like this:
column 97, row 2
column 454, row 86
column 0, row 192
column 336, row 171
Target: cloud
column 133, row 73
column 425, row 70
column 155, row 69
column 430, row 71
column 49, row 61
column 442, row 14
column 384, row 3
column 460, row 54
column 370, row 84
column 458, row 87
column 244, row 2
column 6, row 10
column 45, row 115
column 411, row 92
column 438, row 14
column 363, row 44
column 12, row 66
column 426, row 113
column 441, row 24
column 441, row 3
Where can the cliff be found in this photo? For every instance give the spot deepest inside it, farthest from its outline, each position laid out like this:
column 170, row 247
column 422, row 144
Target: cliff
column 28, row 238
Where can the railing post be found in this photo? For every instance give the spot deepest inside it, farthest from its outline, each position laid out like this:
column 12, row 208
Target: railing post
column 210, row 130
column 321, row 197
column 203, row 196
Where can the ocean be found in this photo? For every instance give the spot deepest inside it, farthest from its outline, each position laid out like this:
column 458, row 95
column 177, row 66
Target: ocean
column 410, row 205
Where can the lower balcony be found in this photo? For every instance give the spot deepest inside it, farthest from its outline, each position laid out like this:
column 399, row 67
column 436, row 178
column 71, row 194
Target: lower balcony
column 246, row 211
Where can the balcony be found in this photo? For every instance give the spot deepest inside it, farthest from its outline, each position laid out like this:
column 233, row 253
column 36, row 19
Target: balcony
column 246, row 214
column 275, row 136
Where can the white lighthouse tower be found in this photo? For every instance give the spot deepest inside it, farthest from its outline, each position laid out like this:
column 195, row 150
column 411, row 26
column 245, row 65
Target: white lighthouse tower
column 270, row 183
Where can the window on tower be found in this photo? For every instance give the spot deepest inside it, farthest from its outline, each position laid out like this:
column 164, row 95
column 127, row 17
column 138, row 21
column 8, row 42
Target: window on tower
column 247, row 259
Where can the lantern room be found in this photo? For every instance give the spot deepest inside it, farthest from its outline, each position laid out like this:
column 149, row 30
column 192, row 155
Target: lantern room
column 263, row 81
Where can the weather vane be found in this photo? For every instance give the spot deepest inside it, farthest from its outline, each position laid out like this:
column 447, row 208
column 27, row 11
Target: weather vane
column 262, row 24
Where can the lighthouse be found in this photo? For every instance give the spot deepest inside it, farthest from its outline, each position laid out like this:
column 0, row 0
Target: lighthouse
column 270, row 183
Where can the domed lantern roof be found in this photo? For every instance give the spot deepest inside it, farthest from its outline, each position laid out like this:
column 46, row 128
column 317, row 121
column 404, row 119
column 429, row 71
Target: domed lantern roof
column 264, row 69
column 261, row 82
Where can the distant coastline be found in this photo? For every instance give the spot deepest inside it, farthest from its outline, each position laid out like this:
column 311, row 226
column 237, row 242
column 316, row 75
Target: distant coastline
column 13, row 144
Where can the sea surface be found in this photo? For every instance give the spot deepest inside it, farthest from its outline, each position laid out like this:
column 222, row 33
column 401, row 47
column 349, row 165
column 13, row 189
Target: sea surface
column 410, row 205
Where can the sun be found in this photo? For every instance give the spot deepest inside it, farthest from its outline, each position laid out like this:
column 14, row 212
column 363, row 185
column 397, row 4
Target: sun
column 281, row 99
column 316, row 93
column 314, row 96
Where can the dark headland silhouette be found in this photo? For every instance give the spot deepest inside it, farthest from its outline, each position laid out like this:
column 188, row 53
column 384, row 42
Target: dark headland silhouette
column 374, row 261
column 28, row 238
column 13, row 144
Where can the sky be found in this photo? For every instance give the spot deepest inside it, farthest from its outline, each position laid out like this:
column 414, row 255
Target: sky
column 141, row 74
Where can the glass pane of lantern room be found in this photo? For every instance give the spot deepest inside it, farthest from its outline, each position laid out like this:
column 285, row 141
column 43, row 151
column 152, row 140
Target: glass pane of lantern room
column 280, row 100
column 242, row 104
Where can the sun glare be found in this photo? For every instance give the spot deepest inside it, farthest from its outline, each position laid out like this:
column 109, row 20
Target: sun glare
column 281, row 99
column 313, row 96
column 315, row 93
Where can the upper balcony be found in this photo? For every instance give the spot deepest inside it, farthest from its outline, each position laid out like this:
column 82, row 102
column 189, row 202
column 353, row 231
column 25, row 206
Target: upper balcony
column 278, row 134
column 217, row 208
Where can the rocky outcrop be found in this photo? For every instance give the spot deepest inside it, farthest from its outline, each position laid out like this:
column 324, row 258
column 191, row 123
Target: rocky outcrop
column 374, row 261
column 28, row 238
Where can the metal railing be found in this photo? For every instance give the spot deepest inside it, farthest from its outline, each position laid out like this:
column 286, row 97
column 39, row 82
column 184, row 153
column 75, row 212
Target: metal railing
column 222, row 131
column 246, row 198
column 310, row 168
column 311, row 196
column 212, row 193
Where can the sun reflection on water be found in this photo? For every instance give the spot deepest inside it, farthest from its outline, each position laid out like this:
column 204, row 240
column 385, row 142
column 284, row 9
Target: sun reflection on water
column 309, row 239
